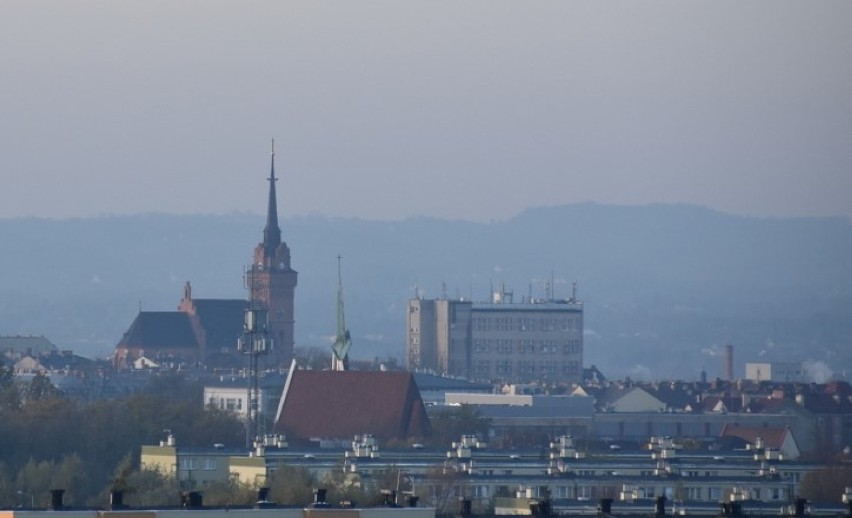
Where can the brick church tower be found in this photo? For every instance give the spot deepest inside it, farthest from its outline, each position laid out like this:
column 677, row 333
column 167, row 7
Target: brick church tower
column 272, row 283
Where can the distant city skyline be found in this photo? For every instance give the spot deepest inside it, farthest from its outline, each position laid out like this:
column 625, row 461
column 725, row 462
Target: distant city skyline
column 383, row 110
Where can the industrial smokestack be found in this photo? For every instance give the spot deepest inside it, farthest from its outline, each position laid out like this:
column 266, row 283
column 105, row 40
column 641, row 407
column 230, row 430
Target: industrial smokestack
column 729, row 362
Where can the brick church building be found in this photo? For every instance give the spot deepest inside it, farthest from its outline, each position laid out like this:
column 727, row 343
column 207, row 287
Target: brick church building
column 206, row 330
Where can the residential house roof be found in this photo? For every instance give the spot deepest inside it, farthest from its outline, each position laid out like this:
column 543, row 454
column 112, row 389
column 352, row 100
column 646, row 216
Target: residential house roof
column 34, row 345
column 780, row 439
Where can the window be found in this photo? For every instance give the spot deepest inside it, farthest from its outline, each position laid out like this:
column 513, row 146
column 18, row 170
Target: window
column 547, row 347
column 482, row 368
column 503, row 323
column 481, row 346
column 210, row 464
column 572, row 346
column 504, row 346
column 570, row 367
column 482, row 323
column 693, row 493
column 504, row 367
column 526, row 367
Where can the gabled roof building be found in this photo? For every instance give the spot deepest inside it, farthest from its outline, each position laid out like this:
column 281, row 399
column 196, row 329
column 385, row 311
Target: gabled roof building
column 342, row 404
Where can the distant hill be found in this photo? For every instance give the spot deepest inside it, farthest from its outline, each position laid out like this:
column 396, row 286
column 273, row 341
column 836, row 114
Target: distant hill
column 665, row 286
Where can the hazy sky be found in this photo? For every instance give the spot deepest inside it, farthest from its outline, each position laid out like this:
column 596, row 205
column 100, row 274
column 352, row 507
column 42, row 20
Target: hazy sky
column 471, row 110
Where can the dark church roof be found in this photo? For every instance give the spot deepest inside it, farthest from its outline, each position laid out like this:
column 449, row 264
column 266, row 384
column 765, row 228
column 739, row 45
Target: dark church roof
column 221, row 320
column 342, row 404
column 160, row 330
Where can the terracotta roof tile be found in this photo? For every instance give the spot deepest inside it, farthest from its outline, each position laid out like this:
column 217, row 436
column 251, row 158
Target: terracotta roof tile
column 772, row 437
column 334, row 404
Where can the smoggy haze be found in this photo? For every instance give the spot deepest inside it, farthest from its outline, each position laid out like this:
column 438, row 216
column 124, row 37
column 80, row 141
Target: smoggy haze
column 391, row 109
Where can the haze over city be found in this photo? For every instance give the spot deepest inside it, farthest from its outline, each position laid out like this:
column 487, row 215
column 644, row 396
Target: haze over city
column 387, row 110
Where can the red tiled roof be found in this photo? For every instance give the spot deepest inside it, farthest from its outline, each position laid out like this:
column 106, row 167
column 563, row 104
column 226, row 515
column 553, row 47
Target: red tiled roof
column 342, row 404
column 772, row 437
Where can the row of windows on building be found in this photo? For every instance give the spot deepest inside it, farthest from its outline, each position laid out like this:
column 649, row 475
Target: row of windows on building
column 231, row 404
column 530, row 367
column 585, row 492
column 195, row 464
column 482, row 323
column 509, row 346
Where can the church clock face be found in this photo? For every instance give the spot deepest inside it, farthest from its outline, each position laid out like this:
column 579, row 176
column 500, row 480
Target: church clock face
column 281, row 266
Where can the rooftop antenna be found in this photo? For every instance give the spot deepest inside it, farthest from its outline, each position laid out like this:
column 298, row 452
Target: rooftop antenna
column 574, row 291
column 444, row 290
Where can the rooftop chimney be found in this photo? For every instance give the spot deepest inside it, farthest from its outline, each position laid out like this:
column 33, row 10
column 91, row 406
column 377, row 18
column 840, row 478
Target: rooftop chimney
column 56, row 499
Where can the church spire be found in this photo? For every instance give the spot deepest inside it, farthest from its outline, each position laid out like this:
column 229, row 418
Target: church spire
column 272, row 232
column 343, row 341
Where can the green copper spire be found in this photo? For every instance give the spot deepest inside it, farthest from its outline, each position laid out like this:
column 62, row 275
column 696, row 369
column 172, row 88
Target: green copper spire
column 343, row 341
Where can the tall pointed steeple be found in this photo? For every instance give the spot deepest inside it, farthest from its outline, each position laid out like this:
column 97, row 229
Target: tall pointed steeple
column 272, row 282
column 272, row 232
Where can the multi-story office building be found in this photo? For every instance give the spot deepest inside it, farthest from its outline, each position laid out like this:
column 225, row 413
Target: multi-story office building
column 498, row 340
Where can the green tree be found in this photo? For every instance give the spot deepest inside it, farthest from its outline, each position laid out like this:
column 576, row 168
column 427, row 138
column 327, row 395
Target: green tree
column 10, row 400
column 293, row 485
column 54, row 433
column 343, row 486
column 444, row 488
column 41, row 389
column 146, row 488
column 228, row 493
column 72, row 476
column 34, row 479
column 7, row 488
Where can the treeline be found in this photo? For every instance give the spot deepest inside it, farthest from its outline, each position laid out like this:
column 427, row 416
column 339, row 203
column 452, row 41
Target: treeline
column 49, row 442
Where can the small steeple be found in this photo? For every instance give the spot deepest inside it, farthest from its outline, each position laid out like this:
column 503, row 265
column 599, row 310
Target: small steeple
column 272, row 232
column 343, row 341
